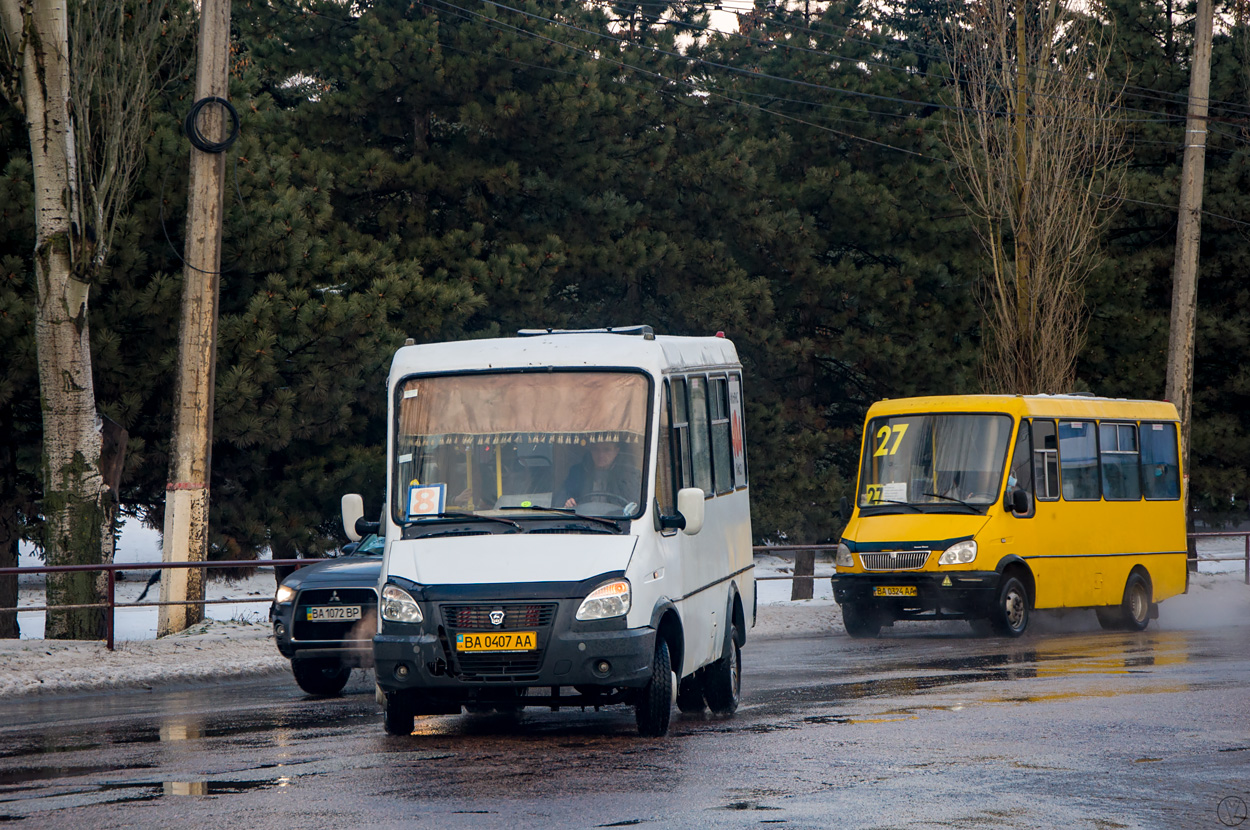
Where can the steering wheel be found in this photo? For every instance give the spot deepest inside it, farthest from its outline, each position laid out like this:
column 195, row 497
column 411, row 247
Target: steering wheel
column 610, row 498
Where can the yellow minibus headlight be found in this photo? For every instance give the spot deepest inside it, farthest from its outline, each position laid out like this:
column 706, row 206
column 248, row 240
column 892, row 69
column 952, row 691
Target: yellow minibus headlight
column 960, row 553
column 843, row 558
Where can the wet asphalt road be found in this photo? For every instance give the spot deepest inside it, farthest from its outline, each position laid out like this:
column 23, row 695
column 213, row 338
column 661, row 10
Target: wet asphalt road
column 926, row 727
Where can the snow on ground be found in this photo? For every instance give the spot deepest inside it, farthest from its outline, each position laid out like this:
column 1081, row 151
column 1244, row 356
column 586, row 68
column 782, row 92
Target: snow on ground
column 236, row 639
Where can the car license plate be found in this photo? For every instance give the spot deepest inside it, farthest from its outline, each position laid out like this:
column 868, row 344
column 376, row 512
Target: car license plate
column 333, row 613
column 894, row 591
column 498, row 641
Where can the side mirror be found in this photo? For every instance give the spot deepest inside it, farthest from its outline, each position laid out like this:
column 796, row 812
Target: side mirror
column 690, row 506
column 844, row 509
column 1020, row 502
column 353, row 511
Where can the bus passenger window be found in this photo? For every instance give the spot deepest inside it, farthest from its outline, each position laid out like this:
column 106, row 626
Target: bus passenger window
column 1045, row 460
column 700, row 446
column 1159, row 469
column 1078, row 460
column 721, row 448
column 1121, row 477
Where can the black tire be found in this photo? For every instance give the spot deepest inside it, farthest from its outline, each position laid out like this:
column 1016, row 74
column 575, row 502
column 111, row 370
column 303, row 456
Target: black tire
column 1110, row 617
column 860, row 620
column 655, row 700
column 322, row 676
column 690, row 695
column 1010, row 616
column 398, row 713
column 1135, row 607
column 722, row 681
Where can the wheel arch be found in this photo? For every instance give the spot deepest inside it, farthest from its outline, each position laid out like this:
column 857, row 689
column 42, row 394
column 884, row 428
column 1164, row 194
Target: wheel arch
column 735, row 614
column 667, row 624
column 1141, row 570
column 1013, row 565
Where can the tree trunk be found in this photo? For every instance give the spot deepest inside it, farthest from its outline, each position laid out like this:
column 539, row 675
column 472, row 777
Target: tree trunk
column 8, row 585
column 74, row 491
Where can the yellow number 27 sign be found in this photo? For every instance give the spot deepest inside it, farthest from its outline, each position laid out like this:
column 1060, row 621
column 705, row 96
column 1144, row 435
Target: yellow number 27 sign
column 884, row 445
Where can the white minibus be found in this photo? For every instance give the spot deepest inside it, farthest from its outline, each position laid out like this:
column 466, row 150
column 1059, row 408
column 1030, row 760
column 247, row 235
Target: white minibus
column 567, row 524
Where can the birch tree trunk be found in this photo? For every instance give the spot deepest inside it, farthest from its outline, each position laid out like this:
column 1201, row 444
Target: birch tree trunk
column 37, row 33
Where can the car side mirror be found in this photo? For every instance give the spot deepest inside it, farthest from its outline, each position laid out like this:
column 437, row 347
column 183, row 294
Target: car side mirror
column 353, row 507
column 690, row 506
column 844, row 509
column 1020, row 502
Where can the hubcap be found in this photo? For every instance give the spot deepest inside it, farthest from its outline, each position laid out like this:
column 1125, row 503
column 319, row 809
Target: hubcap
column 1137, row 602
column 1014, row 606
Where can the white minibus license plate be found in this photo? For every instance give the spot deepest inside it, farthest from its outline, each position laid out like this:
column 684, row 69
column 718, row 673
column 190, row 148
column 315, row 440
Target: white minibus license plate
column 333, row 613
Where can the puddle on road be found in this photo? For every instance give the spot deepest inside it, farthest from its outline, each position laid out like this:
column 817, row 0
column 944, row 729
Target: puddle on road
column 25, row 775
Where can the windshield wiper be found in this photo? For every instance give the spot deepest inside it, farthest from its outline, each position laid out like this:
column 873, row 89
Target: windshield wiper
column 456, row 514
column 567, row 511
column 971, row 507
column 880, row 502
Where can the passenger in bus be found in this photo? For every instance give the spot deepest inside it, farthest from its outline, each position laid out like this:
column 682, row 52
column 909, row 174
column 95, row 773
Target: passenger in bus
column 603, row 471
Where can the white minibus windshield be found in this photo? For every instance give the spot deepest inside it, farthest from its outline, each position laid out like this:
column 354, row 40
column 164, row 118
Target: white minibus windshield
column 934, row 460
column 510, row 443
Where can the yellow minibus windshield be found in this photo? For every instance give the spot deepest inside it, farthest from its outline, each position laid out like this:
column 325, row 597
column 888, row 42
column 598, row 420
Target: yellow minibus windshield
column 918, row 459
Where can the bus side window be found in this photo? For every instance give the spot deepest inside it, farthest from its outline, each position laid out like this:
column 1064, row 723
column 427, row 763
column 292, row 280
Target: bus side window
column 1021, row 469
column 1045, row 460
column 1078, row 460
column 1159, row 468
column 1117, row 446
column 681, row 435
column 721, row 447
column 700, row 443
column 664, row 465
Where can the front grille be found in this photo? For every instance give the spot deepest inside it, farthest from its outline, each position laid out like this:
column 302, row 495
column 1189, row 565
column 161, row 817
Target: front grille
column 894, row 560
column 362, row 629
column 507, row 666
column 515, row 617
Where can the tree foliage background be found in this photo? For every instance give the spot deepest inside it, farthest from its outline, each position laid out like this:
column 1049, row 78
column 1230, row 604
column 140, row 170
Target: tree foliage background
column 445, row 169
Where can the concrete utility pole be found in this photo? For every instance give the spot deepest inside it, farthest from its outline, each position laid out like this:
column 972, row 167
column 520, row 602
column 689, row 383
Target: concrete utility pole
column 186, row 494
column 1180, row 381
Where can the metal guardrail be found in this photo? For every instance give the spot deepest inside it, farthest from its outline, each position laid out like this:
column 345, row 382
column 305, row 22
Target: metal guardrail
column 112, row 568
column 802, row 579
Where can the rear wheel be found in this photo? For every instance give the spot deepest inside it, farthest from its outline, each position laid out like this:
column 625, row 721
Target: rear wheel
column 860, row 620
column 1133, row 612
column 1011, row 611
column 655, row 700
column 398, row 713
column 722, row 681
column 323, row 676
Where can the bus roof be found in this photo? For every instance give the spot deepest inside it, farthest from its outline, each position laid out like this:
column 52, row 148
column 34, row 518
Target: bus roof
column 568, row 350
column 1043, row 406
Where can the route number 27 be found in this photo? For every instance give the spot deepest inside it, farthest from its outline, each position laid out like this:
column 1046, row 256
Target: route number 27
column 885, row 447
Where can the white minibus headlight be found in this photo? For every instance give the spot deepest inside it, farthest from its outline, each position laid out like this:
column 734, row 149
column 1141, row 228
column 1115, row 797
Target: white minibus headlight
column 609, row 600
column 285, row 594
column 960, row 553
column 843, row 558
column 399, row 606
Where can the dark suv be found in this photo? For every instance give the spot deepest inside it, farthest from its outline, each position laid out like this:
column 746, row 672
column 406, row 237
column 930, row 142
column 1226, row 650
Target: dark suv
column 325, row 615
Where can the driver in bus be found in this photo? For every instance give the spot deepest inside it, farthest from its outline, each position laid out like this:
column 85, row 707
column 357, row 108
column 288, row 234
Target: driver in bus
column 602, row 471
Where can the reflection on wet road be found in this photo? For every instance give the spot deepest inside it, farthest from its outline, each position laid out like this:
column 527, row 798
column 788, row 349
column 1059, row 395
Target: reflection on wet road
column 926, row 726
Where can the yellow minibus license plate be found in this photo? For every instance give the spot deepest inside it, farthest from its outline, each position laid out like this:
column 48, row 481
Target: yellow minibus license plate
column 894, row 591
column 498, row 641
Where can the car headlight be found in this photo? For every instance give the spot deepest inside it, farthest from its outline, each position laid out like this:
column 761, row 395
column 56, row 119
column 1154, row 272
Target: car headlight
column 843, row 558
column 610, row 600
column 285, row 594
column 959, row 553
column 399, row 606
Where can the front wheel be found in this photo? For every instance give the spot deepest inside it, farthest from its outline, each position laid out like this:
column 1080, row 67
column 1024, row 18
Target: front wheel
column 860, row 620
column 321, row 676
column 722, row 681
column 398, row 713
column 1010, row 616
column 655, row 700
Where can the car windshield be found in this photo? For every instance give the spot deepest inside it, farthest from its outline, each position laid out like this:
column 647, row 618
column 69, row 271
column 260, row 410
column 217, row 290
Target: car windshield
column 933, row 460
column 520, row 444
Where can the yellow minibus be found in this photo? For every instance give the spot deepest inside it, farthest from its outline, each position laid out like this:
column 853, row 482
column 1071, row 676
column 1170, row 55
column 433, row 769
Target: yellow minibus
column 985, row 507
